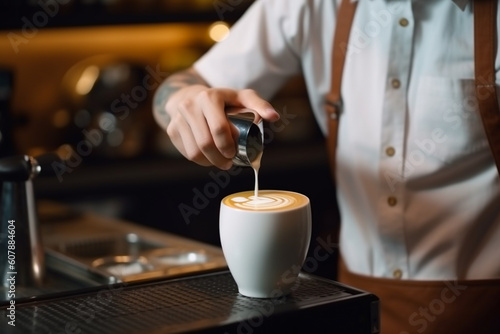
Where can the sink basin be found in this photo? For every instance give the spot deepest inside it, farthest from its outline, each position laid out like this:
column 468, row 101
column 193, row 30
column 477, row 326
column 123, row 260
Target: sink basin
column 110, row 245
column 112, row 251
column 123, row 266
column 181, row 257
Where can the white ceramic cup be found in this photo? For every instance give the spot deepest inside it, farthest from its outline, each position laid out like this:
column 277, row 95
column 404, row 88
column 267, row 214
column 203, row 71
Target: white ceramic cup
column 265, row 240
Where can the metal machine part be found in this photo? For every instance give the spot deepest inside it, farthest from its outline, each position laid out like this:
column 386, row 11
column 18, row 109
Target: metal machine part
column 23, row 259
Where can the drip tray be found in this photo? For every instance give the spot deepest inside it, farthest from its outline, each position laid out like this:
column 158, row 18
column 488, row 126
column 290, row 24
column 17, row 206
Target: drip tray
column 208, row 303
column 109, row 251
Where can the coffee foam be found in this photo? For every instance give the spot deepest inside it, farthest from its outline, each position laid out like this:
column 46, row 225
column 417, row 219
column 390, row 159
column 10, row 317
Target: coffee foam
column 267, row 200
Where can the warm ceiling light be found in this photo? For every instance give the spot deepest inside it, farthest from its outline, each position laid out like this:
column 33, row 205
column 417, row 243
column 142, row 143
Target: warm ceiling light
column 87, row 80
column 218, row 31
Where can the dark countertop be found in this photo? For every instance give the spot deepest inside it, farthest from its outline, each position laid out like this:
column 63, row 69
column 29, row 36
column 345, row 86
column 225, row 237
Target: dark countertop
column 207, row 303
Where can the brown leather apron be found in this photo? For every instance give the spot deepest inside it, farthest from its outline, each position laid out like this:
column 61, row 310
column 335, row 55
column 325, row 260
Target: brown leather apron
column 432, row 307
column 410, row 306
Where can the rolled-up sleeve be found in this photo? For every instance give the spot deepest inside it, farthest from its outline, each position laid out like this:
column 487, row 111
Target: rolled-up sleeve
column 261, row 51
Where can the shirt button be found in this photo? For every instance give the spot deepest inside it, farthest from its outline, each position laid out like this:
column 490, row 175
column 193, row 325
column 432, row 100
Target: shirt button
column 390, row 151
column 397, row 273
column 403, row 22
column 395, row 83
column 392, row 201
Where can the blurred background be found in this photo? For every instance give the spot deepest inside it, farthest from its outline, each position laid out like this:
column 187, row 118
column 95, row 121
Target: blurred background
column 77, row 78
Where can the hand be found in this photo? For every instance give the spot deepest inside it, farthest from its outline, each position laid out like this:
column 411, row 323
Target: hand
column 198, row 125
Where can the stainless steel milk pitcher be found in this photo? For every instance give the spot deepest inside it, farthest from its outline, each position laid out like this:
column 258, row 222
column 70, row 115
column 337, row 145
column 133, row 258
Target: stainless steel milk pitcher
column 250, row 138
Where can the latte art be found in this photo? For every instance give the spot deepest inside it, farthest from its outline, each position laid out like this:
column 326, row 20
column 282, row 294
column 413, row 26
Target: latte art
column 267, row 200
column 271, row 201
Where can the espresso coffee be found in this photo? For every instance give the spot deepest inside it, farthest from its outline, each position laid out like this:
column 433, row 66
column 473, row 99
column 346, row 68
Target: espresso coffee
column 267, row 200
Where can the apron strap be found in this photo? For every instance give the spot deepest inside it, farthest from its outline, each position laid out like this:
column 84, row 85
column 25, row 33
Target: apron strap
column 485, row 38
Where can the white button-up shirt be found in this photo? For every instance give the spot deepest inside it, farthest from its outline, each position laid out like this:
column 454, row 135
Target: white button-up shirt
column 418, row 190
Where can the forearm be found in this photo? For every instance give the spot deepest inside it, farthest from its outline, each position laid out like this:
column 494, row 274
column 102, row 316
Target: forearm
column 168, row 88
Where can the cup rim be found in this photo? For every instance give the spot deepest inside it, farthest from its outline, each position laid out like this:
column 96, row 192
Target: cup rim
column 306, row 202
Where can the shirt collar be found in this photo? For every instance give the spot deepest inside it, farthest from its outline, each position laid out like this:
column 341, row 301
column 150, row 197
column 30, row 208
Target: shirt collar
column 460, row 3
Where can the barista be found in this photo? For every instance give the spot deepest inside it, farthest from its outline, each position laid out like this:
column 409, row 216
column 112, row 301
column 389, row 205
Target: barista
column 418, row 188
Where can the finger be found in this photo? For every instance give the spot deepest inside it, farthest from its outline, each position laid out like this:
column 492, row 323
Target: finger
column 252, row 100
column 202, row 146
column 213, row 102
column 189, row 147
column 182, row 138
